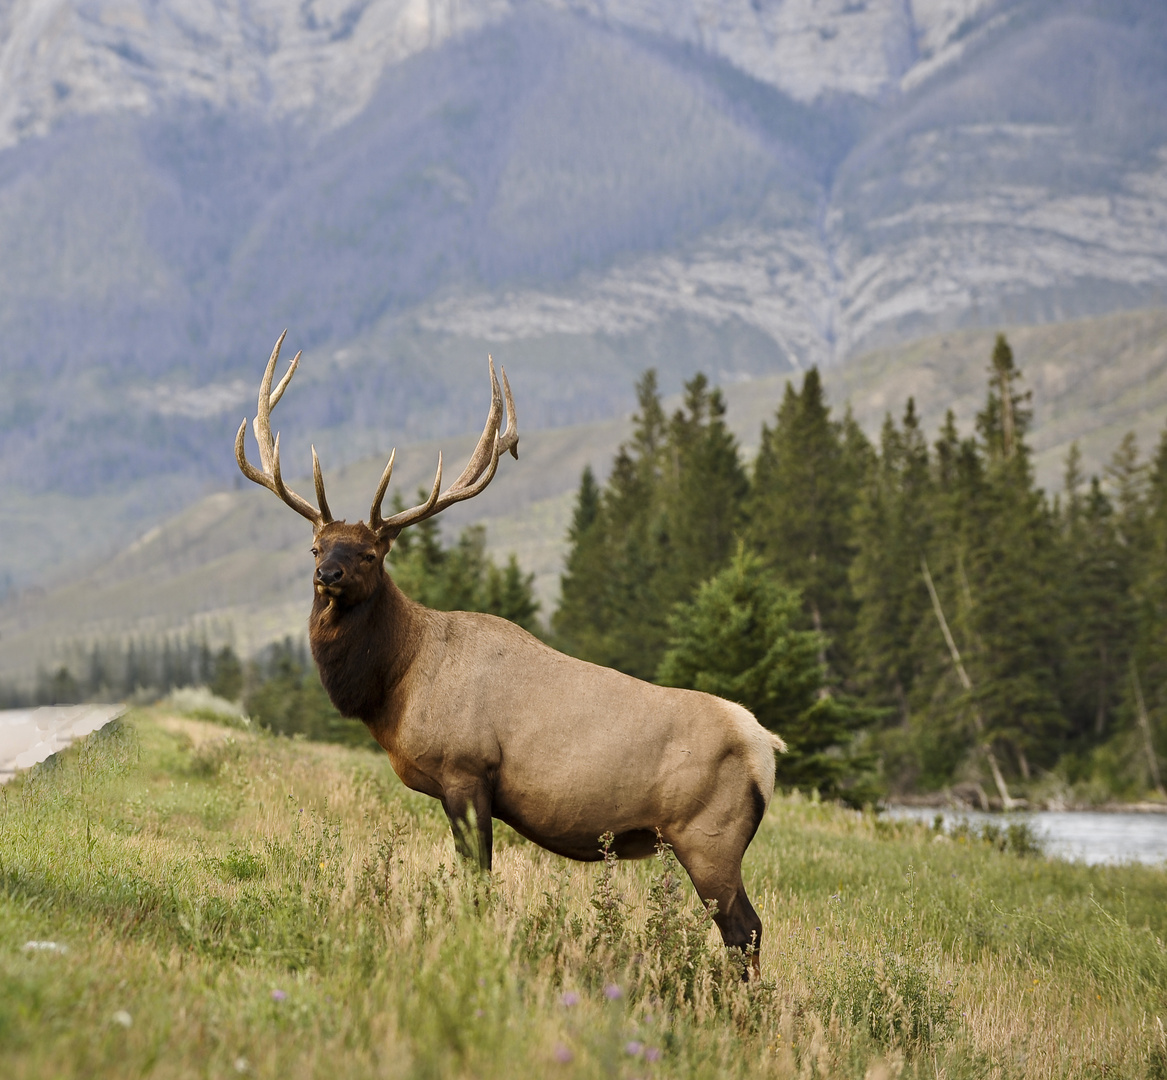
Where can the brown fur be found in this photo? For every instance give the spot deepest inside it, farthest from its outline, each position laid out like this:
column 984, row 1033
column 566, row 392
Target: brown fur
column 481, row 715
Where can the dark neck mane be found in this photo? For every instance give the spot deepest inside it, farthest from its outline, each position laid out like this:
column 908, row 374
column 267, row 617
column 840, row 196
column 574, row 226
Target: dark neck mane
column 363, row 651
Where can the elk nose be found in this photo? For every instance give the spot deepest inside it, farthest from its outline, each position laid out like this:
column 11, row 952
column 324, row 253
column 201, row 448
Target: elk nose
column 329, row 575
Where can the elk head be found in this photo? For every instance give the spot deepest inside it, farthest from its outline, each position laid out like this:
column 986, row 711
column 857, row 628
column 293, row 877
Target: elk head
column 349, row 558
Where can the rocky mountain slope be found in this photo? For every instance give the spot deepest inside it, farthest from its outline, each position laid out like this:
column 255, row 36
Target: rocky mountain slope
column 583, row 187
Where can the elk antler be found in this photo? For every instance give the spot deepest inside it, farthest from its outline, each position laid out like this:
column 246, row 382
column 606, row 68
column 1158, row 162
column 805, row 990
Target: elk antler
column 269, row 451
column 478, row 473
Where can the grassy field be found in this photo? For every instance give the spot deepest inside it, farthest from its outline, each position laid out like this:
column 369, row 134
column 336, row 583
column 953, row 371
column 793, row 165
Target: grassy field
column 181, row 899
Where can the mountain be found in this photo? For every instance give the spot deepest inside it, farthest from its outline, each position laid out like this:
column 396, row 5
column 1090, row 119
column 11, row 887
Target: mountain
column 235, row 564
column 584, row 189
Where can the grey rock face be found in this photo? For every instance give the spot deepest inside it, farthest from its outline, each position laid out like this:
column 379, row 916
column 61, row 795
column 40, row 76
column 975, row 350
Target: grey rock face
column 323, row 59
column 585, row 187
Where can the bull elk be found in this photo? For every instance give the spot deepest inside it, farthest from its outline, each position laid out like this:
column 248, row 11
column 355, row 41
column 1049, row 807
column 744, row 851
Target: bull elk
column 483, row 716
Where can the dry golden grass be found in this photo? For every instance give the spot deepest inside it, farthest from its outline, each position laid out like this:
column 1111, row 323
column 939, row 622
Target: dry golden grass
column 234, row 904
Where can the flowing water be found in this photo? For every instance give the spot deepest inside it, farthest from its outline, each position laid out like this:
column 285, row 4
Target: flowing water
column 1087, row 836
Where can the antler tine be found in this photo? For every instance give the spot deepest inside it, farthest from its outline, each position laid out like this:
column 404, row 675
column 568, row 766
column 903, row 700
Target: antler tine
column 510, row 437
column 296, row 502
column 484, row 449
column 478, row 473
column 375, row 519
column 434, row 505
column 262, row 423
column 278, row 392
column 318, row 478
column 269, row 450
column 397, row 522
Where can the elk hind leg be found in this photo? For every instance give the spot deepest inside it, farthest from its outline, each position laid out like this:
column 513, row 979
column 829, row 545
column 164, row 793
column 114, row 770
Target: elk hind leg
column 719, row 881
column 468, row 806
column 740, row 927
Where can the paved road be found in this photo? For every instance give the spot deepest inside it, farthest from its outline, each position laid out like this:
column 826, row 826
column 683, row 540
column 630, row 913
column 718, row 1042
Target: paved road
column 31, row 735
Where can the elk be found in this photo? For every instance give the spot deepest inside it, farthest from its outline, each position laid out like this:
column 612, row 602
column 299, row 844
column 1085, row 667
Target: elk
column 483, row 716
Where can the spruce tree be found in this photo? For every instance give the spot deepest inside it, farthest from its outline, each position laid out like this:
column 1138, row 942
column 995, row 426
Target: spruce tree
column 702, row 492
column 1149, row 594
column 665, row 521
column 892, row 530
column 739, row 637
column 1097, row 610
column 806, row 481
column 580, row 622
column 1009, row 579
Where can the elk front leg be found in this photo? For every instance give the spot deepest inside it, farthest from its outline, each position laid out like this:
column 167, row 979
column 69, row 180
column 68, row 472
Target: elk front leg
column 468, row 806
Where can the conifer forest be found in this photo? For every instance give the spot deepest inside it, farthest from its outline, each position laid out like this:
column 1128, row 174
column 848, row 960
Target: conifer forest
column 908, row 615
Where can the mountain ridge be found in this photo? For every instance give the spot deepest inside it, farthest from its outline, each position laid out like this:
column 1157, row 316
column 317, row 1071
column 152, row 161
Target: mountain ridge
column 584, row 189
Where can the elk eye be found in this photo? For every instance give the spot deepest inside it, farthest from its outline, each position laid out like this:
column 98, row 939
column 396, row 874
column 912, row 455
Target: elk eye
column 368, row 556
column 315, row 552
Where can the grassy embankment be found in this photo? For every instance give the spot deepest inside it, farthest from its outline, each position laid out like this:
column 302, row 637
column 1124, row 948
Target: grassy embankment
column 232, row 903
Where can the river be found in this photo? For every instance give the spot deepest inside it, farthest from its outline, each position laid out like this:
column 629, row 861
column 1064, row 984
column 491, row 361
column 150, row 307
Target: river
column 1087, row 836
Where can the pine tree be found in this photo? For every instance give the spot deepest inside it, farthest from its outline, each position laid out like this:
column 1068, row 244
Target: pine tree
column 510, row 594
column 1097, row 609
column 893, row 526
column 626, row 604
column 703, row 489
column 1006, row 573
column 666, row 520
column 580, row 623
column 806, row 481
column 1149, row 594
column 739, row 638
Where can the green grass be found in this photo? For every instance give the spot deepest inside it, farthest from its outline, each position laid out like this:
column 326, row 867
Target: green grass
column 227, row 903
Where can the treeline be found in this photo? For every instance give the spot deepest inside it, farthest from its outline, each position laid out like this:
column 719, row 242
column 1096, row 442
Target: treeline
column 907, row 614
column 132, row 669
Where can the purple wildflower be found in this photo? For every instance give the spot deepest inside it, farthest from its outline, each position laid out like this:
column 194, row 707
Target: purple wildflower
column 652, row 1054
column 569, row 999
column 562, row 1054
column 633, row 1048
column 278, row 995
column 612, row 992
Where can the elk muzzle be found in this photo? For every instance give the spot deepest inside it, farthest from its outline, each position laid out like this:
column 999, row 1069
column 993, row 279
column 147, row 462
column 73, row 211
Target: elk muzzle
column 329, row 575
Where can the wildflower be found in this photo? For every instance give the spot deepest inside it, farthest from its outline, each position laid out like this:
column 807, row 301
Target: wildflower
column 44, row 946
column 652, row 1054
column 278, row 995
column 562, row 1054
column 122, row 1018
column 241, row 1064
column 612, row 992
column 569, row 999
column 479, row 1013
column 633, row 1048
